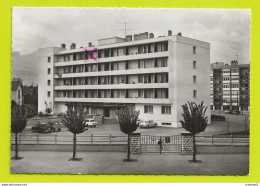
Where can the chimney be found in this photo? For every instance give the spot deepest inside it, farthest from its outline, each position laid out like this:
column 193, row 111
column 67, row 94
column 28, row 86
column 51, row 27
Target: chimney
column 63, row 45
column 169, row 32
column 89, row 44
column 151, row 36
column 73, row 46
column 128, row 38
column 141, row 36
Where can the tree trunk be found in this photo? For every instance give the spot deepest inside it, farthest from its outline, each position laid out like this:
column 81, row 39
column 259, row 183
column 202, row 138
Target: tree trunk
column 74, row 146
column 16, row 147
column 128, row 147
column 194, row 149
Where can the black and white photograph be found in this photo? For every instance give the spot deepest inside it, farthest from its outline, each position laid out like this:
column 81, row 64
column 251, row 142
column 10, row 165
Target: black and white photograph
column 130, row 91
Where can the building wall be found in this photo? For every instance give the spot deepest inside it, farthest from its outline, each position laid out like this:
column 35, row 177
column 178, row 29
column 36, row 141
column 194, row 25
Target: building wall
column 43, row 77
column 180, row 84
column 15, row 95
column 157, row 115
column 185, row 72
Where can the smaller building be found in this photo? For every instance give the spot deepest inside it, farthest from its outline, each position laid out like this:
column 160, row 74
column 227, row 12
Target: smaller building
column 17, row 90
column 230, row 86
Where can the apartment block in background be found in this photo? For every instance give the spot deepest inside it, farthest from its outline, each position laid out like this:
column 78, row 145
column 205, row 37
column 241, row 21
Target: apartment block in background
column 154, row 75
column 230, row 86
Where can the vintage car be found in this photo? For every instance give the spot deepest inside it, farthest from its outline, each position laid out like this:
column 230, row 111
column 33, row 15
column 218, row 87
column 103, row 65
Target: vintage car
column 42, row 128
column 90, row 123
column 55, row 126
column 147, row 124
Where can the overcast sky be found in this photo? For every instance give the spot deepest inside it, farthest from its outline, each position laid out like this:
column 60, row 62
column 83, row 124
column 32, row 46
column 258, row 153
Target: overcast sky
column 227, row 31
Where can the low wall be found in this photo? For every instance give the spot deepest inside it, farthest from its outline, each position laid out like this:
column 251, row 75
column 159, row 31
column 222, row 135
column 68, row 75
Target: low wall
column 69, row 147
column 222, row 149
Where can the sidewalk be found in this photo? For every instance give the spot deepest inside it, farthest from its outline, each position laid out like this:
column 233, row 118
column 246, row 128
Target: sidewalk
column 112, row 163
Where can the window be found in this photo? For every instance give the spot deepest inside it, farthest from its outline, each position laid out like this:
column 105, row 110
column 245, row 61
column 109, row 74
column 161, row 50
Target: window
column 166, row 123
column 49, row 71
column 49, row 82
column 93, row 110
column 194, row 50
column 49, row 59
column 194, row 64
column 194, row 93
column 19, row 94
column 166, row 109
column 194, row 79
column 148, row 109
column 49, row 93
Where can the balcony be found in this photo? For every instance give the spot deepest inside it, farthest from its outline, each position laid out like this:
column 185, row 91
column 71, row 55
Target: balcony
column 111, row 59
column 114, row 100
column 117, row 72
column 113, row 86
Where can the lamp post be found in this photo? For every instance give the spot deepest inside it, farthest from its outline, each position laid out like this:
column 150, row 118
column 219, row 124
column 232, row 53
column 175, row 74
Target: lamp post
column 228, row 123
column 237, row 104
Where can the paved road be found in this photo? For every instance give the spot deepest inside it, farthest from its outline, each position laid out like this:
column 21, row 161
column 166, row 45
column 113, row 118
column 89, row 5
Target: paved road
column 236, row 123
column 112, row 163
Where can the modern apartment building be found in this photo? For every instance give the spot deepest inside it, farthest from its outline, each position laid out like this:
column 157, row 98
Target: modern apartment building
column 154, row 75
column 230, row 86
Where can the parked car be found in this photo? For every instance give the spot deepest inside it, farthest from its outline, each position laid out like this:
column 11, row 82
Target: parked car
column 90, row 123
column 226, row 111
column 232, row 112
column 55, row 126
column 148, row 124
column 42, row 128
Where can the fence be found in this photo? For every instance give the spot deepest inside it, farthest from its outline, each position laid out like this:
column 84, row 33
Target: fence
column 117, row 139
column 56, row 139
column 153, row 140
column 223, row 139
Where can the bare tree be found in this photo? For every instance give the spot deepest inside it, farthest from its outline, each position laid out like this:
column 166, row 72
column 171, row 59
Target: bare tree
column 127, row 122
column 18, row 123
column 194, row 121
column 74, row 121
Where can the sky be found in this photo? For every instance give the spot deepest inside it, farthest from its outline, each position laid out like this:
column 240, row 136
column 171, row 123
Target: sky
column 227, row 31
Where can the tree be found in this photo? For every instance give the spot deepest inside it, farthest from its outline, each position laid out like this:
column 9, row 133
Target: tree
column 48, row 109
column 127, row 121
column 74, row 121
column 18, row 123
column 194, row 121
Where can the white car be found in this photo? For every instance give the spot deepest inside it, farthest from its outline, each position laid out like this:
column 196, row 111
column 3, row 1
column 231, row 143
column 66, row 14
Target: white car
column 148, row 124
column 90, row 123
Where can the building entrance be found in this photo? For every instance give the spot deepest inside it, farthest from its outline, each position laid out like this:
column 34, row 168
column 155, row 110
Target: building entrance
column 106, row 112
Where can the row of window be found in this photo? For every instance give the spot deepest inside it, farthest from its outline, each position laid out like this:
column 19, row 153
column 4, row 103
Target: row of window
column 116, row 79
column 164, row 109
column 232, row 86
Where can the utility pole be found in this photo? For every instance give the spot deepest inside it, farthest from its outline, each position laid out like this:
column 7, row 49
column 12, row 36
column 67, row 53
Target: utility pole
column 237, row 104
column 228, row 123
column 245, row 124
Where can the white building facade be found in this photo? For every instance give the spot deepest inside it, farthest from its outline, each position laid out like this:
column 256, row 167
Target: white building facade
column 155, row 75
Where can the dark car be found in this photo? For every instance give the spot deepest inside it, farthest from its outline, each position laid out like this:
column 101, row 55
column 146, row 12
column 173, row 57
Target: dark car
column 42, row 128
column 55, row 126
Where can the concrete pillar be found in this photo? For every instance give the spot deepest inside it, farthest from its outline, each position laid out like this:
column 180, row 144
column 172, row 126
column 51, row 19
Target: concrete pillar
column 186, row 143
